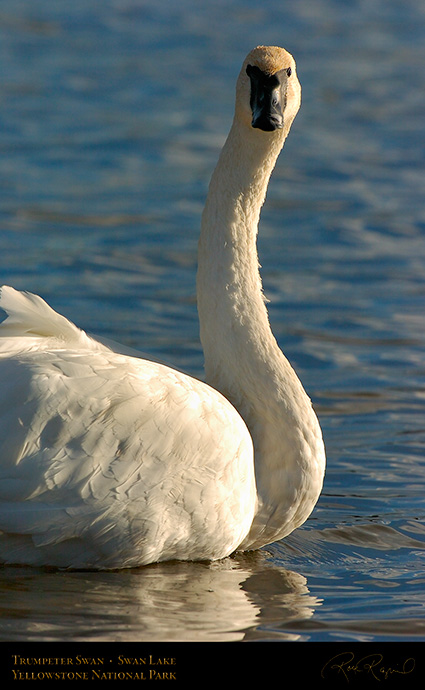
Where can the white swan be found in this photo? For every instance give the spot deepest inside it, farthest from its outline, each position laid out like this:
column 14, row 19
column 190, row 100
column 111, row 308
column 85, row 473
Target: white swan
column 111, row 461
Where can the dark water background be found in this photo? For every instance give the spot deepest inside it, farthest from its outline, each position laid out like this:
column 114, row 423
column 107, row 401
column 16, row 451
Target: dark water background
column 112, row 115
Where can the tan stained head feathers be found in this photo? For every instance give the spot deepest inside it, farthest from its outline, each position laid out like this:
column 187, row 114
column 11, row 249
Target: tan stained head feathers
column 269, row 59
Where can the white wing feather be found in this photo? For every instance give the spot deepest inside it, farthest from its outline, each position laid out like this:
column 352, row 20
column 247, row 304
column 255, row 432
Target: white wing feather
column 108, row 460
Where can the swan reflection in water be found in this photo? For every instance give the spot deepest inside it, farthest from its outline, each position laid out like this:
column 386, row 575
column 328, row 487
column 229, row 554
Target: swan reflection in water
column 224, row 601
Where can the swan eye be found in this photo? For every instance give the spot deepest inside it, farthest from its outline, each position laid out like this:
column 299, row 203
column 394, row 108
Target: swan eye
column 289, row 71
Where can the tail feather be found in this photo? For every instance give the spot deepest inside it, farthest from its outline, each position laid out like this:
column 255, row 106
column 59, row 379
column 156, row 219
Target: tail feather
column 30, row 317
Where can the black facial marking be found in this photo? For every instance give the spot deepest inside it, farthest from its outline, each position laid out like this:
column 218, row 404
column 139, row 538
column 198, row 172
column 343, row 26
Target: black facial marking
column 268, row 98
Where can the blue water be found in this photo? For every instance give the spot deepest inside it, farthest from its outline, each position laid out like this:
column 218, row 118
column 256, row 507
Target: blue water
column 112, row 115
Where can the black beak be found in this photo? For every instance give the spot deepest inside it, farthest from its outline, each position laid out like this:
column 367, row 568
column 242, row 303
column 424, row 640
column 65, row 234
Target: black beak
column 266, row 100
column 267, row 119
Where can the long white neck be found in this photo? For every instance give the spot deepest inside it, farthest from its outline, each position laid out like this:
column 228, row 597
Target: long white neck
column 242, row 358
column 234, row 325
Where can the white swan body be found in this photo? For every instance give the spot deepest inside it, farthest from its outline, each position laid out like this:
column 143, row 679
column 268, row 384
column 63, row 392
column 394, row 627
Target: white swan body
column 111, row 461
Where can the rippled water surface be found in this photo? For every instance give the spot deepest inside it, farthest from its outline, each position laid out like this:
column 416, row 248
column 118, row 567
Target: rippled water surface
column 112, row 117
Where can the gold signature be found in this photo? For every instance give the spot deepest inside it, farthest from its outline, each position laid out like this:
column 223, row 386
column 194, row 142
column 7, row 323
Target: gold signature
column 346, row 665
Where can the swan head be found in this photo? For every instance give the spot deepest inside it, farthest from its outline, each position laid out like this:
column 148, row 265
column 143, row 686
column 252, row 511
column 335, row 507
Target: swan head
column 268, row 93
